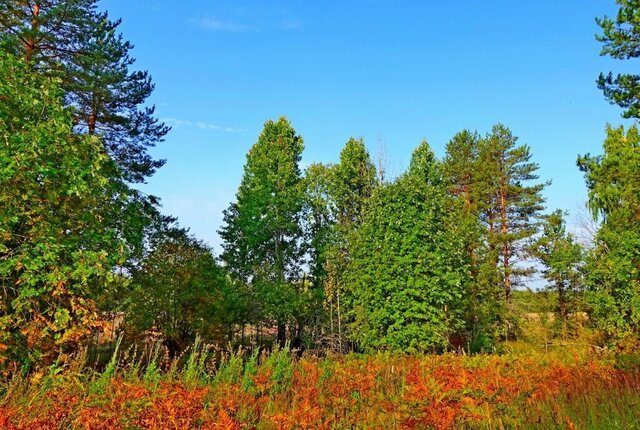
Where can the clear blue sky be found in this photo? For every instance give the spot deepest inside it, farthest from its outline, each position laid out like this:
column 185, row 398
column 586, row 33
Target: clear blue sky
column 388, row 71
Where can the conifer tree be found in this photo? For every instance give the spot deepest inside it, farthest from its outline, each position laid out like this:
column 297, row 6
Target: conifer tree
column 619, row 40
column 509, row 204
column 262, row 232
column 464, row 176
column 461, row 174
column 71, row 40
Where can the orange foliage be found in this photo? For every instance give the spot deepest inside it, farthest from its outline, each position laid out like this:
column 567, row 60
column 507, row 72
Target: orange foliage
column 439, row 392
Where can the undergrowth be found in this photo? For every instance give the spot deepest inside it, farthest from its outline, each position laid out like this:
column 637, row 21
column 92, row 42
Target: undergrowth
column 207, row 388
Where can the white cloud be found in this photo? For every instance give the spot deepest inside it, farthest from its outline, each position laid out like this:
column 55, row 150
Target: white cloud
column 290, row 24
column 215, row 24
column 202, row 125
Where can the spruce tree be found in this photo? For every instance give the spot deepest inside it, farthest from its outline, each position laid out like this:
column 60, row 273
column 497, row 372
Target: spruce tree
column 262, row 232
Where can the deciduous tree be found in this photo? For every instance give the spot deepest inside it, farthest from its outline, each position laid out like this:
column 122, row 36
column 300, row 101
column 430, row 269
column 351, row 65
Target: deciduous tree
column 406, row 275
column 179, row 291
column 59, row 195
column 613, row 181
column 262, row 231
column 562, row 260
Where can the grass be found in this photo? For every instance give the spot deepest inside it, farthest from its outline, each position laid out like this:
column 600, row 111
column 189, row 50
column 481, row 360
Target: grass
column 204, row 389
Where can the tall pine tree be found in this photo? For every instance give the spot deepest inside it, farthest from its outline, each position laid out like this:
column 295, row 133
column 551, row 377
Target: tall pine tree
column 71, row 40
column 510, row 205
column 619, row 40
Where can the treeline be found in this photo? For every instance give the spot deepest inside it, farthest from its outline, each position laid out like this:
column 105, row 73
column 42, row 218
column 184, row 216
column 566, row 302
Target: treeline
column 346, row 259
column 333, row 257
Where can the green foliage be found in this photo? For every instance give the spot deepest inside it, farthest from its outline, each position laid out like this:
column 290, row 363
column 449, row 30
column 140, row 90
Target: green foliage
column 152, row 375
column 562, row 258
column 100, row 384
column 178, row 290
column 620, row 40
column 250, row 371
column 230, row 370
column 281, row 365
column 319, row 219
column 354, row 179
column 496, row 210
column 407, row 273
column 613, row 270
column 74, row 42
column 59, row 243
column 463, row 176
column 510, row 205
column 195, row 368
column 352, row 183
column 261, row 233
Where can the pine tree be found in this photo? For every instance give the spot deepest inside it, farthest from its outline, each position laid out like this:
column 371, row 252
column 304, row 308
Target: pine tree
column 619, row 40
column 461, row 174
column 465, row 178
column 509, row 204
column 71, row 40
column 262, row 232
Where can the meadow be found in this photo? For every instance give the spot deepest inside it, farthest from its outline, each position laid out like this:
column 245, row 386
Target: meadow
column 569, row 387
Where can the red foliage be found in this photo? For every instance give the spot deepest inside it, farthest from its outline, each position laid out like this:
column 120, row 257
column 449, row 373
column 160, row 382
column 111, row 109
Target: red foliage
column 377, row 392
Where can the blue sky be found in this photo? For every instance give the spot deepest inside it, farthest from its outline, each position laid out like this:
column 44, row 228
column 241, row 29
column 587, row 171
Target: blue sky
column 392, row 72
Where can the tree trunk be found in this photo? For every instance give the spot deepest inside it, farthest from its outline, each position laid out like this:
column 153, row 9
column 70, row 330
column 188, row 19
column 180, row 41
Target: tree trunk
column 504, row 229
column 30, row 43
column 562, row 307
column 282, row 334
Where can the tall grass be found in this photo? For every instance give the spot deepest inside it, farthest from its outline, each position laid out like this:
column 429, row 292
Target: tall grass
column 205, row 388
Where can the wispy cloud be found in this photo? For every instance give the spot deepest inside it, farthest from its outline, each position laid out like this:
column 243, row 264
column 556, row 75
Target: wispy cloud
column 290, row 24
column 215, row 24
column 201, row 125
column 242, row 21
